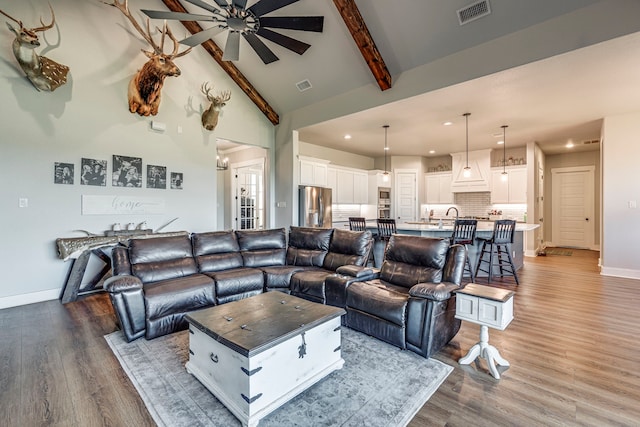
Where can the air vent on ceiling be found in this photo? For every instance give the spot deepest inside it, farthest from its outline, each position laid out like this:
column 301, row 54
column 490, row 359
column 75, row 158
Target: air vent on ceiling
column 591, row 141
column 303, row 85
column 474, row 11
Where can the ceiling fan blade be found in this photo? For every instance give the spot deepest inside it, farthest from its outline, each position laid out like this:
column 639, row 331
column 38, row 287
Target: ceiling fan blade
column 242, row 4
column 221, row 3
column 202, row 36
column 301, row 23
column 207, row 6
column 159, row 14
column 261, row 49
column 284, row 41
column 232, row 48
column 265, row 6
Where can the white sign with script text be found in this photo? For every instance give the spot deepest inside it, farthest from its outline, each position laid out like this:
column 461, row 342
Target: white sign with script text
column 121, row 205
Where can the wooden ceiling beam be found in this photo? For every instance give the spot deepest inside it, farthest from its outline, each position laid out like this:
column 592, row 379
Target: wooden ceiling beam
column 228, row 66
column 360, row 33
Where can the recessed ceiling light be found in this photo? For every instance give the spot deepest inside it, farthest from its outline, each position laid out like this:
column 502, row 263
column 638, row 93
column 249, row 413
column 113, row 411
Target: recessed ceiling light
column 432, row 151
column 347, row 136
column 500, row 142
column 447, row 123
column 569, row 144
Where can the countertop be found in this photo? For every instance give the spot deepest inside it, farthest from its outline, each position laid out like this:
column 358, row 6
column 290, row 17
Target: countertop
column 482, row 226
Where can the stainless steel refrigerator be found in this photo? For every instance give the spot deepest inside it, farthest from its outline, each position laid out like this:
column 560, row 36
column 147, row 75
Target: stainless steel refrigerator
column 314, row 207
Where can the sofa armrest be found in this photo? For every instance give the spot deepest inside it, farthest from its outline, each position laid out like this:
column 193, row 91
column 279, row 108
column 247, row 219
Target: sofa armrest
column 366, row 273
column 433, row 291
column 124, row 283
column 127, row 297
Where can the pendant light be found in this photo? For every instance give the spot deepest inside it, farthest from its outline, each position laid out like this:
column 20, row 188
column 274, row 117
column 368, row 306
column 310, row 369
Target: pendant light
column 504, row 175
column 466, row 172
column 385, row 176
column 221, row 164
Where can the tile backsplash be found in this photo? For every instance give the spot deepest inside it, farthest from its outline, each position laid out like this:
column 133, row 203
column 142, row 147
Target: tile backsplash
column 475, row 204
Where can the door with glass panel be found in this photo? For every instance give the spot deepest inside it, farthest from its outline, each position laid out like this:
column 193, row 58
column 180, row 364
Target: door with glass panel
column 248, row 193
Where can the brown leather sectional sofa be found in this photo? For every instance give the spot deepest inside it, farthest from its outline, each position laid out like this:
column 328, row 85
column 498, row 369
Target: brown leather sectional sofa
column 408, row 302
column 157, row 281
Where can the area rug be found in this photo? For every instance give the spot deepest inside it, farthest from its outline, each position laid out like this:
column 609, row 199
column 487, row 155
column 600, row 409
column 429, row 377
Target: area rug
column 379, row 385
column 558, row 251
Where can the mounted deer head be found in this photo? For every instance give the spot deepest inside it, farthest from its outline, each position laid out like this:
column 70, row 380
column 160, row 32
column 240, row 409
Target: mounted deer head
column 44, row 73
column 146, row 85
column 210, row 116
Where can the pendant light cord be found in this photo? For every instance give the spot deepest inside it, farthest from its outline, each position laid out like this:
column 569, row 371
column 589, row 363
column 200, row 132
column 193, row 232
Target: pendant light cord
column 386, row 127
column 504, row 149
column 466, row 117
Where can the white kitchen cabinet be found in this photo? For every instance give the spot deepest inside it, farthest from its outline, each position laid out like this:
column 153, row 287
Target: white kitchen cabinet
column 480, row 177
column 438, row 187
column 513, row 190
column 313, row 172
column 349, row 186
column 360, row 188
column 344, row 187
column 332, row 181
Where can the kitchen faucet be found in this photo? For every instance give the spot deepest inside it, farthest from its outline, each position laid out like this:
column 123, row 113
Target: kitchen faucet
column 455, row 209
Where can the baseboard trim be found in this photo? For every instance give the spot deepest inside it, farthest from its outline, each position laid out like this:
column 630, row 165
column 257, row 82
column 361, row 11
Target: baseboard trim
column 31, row 298
column 620, row 272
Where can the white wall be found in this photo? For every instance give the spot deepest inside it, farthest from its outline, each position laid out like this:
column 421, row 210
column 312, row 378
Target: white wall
column 620, row 231
column 89, row 117
column 336, row 157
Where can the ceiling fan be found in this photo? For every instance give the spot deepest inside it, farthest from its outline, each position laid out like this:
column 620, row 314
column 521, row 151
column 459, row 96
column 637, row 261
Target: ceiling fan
column 250, row 22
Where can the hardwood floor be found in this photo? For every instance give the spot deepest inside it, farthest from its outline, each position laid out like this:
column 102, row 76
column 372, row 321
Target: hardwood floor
column 573, row 348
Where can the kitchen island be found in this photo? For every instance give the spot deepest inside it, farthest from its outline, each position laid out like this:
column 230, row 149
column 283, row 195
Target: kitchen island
column 484, row 229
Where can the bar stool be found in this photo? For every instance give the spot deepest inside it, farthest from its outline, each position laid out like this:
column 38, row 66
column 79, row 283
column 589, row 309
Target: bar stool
column 464, row 233
column 358, row 223
column 497, row 246
column 386, row 227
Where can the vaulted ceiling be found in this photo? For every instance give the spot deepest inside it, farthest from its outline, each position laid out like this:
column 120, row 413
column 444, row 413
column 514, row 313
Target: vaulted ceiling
column 373, row 42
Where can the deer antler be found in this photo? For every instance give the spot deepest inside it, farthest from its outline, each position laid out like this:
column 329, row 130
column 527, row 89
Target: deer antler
column 17, row 21
column 223, row 97
column 206, row 90
column 45, row 26
column 124, row 8
column 158, row 49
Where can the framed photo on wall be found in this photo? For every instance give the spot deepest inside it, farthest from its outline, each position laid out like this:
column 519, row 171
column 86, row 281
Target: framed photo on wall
column 63, row 173
column 127, row 171
column 176, row 180
column 156, row 176
column 94, row 172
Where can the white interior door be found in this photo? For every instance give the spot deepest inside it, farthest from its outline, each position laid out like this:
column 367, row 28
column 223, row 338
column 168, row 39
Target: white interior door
column 539, row 218
column 572, row 207
column 406, row 195
column 249, row 195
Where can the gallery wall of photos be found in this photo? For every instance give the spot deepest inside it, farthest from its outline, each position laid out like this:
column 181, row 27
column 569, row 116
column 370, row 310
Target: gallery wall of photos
column 126, row 171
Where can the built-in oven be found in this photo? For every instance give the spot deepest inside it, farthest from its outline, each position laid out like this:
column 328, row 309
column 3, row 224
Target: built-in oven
column 384, row 202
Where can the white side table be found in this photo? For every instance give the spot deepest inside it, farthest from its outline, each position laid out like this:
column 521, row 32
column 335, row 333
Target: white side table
column 488, row 307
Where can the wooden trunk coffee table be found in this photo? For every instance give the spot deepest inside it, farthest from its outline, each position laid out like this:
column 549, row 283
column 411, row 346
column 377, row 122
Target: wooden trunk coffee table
column 257, row 353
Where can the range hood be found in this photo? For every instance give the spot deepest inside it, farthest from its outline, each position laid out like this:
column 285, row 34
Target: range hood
column 480, row 179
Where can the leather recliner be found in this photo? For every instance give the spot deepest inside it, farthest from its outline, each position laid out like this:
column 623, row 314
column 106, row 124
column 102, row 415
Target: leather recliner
column 344, row 247
column 411, row 304
column 155, row 283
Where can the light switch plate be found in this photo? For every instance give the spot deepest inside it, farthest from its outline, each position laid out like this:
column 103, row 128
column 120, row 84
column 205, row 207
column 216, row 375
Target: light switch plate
column 632, row 204
column 23, row 202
